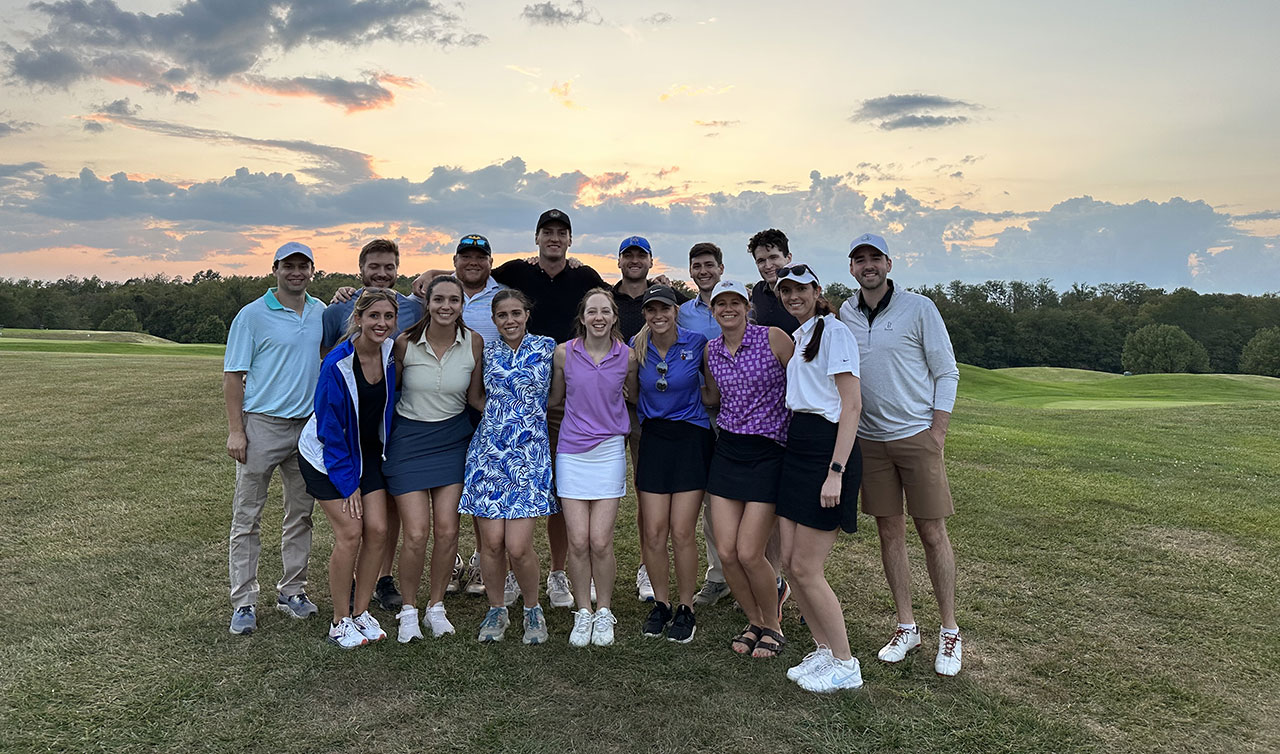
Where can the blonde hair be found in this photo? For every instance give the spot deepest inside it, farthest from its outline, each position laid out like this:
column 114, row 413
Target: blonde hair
column 369, row 297
column 642, row 339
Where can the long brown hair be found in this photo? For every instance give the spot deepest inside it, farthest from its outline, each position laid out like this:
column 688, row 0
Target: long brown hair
column 414, row 333
column 369, row 297
column 820, row 309
column 580, row 330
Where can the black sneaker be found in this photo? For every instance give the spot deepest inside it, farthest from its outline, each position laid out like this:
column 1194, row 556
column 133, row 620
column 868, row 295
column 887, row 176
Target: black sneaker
column 387, row 595
column 682, row 627
column 658, row 619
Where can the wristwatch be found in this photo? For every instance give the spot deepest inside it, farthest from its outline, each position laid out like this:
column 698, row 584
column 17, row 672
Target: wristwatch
column 837, row 467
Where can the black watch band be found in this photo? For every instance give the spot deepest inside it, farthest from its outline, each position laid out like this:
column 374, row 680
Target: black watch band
column 837, row 467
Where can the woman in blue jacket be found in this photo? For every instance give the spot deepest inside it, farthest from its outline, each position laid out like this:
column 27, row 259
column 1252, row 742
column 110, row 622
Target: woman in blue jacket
column 340, row 454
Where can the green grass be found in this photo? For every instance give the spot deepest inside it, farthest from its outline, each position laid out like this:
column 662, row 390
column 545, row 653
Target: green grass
column 1116, row 588
column 92, row 336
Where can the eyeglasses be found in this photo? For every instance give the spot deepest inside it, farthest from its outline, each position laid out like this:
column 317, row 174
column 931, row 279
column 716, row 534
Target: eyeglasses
column 473, row 241
column 661, row 384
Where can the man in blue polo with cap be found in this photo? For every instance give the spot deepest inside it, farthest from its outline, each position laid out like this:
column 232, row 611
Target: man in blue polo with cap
column 269, row 377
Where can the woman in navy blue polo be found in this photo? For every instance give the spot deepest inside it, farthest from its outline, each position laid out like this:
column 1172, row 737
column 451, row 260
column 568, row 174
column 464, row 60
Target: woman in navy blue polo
column 676, row 444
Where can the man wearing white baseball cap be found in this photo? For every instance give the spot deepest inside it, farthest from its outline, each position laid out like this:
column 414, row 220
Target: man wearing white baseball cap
column 270, row 371
column 909, row 382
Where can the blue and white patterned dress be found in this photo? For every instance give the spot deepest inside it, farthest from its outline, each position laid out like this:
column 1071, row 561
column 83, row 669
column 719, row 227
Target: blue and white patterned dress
column 509, row 460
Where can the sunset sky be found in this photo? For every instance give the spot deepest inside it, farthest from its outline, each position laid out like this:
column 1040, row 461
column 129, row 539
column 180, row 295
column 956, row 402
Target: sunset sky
column 1089, row 142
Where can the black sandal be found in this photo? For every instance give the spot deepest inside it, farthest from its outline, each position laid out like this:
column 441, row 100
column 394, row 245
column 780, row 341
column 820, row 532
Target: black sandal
column 770, row 641
column 746, row 640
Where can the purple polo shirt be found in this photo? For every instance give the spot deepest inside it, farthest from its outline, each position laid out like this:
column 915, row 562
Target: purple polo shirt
column 753, row 386
column 594, row 407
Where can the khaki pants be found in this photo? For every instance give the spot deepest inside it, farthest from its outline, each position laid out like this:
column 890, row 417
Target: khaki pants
column 272, row 443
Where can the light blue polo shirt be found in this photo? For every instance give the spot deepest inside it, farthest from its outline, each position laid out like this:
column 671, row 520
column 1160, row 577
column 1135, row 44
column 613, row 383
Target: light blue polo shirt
column 279, row 350
column 408, row 311
column 477, row 312
column 696, row 315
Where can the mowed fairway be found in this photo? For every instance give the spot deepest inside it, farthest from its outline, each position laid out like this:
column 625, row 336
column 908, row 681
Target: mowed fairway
column 1117, row 592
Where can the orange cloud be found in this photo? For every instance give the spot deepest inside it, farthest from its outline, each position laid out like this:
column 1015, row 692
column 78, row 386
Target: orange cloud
column 562, row 93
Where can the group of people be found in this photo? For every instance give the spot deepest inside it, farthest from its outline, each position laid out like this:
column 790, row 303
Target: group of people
column 513, row 394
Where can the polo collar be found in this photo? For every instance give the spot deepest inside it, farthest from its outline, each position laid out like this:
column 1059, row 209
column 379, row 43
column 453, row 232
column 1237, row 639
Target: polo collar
column 884, row 302
column 274, row 303
column 807, row 326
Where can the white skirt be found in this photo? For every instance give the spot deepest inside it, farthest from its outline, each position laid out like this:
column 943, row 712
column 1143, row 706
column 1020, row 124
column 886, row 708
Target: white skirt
column 598, row 474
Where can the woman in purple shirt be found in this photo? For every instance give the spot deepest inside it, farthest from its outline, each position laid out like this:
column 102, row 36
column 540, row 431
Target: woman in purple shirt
column 596, row 371
column 747, row 372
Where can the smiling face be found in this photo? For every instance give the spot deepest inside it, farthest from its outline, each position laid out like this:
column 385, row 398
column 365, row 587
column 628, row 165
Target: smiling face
column 444, row 304
column 598, row 316
column 769, row 259
column 379, row 270
column 472, row 267
column 377, row 322
column 869, row 267
column 730, row 311
column 554, row 240
column 293, row 273
column 634, row 264
column 512, row 319
column 800, row 299
column 660, row 317
column 706, row 272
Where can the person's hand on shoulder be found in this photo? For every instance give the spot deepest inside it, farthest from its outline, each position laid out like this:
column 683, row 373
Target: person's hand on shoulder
column 343, row 295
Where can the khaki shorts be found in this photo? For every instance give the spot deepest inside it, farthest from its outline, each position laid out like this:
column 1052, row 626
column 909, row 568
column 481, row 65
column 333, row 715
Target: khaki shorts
column 914, row 466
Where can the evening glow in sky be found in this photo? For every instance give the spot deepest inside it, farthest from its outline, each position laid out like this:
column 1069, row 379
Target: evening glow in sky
column 1089, row 142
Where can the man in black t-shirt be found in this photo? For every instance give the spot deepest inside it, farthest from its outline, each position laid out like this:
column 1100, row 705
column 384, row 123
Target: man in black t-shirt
column 770, row 251
column 635, row 260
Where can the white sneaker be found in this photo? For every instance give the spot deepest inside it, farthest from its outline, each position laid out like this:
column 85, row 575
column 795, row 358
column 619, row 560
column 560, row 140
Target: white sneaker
column 455, row 578
column 408, row 617
column 593, row 591
column 948, row 660
column 368, row 626
column 602, row 632
column 438, row 621
column 510, row 590
column 833, row 675
column 558, row 590
column 583, row 622
column 346, row 635
column 475, row 583
column 643, row 588
column 903, row 642
column 810, row 661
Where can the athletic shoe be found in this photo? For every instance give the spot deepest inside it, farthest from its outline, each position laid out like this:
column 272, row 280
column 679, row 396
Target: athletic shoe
column 510, row 590
column 244, row 620
column 535, row 626
column 658, row 619
column 368, row 626
column 475, row 583
column 494, row 624
column 438, row 621
column 346, row 634
column 455, row 580
column 296, row 606
column 784, row 591
column 810, row 661
column 602, row 630
column 710, row 593
column 904, row 641
column 387, row 595
column 558, row 590
column 644, row 589
column 833, row 675
column 948, row 660
column 683, row 626
column 583, row 624
column 408, row 617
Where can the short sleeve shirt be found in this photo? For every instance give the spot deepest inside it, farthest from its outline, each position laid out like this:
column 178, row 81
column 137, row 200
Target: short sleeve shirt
column 631, row 311
column 811, row 385
column 477, row 311
column 279, row 351
column 555, row 299
column 682, row 399
column 695, row 314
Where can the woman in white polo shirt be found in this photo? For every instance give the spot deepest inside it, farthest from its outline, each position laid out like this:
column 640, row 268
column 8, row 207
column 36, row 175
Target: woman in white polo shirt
column 818, row 491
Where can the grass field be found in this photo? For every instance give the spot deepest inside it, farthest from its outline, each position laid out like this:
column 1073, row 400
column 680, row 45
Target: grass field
column 1117, row 592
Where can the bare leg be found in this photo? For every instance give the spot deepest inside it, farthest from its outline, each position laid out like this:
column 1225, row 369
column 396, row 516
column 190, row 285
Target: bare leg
column 577, row 519
column 604, row 567
column 558, row 539
column 444, row 510
column 726, row 517
column 656, row 510
column 346, row 542
column 758, row 525
column 415, row 513
column 893, row 554
column 493, row 558
column 941, row 561
column 393, row 536
column 372, row 544
column 805, row 566
column 685, row 507
column 523, row 558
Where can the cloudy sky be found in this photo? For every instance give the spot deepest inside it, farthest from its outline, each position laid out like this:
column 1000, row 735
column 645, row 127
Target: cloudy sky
column 1088, row 142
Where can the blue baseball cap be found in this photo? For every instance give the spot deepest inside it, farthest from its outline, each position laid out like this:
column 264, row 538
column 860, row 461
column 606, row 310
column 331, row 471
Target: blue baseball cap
column 636, row 241
column 293, row 247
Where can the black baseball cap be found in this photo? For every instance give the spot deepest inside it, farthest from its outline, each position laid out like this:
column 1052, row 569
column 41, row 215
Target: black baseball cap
column 474, row 242
column 663, row 293
column 553, row 216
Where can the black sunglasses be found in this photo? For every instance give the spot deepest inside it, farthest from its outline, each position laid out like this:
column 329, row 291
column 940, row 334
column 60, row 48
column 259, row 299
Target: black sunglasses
column 662, row 368
column 796, row 269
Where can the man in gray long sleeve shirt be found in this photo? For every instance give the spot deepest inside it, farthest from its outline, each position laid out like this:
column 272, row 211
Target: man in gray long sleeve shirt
column 909, row 379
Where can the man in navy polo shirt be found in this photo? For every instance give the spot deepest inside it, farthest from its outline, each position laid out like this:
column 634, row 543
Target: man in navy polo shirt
column 270, row 371
column 770, row 251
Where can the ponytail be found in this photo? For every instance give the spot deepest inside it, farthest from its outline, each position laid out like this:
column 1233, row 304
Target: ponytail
column 820, row 310
column 642, row 344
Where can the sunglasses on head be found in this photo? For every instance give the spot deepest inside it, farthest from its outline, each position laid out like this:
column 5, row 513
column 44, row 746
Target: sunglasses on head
column 473, row 241
column 796, row 270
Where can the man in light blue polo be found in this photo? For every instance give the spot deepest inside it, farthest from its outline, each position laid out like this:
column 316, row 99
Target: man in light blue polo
column 269, row 379
column 706, row 267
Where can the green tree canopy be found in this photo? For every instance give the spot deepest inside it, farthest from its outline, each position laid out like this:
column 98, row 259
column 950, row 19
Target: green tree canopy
column 121, row 320
column 1163, row 349
column 1261, row 355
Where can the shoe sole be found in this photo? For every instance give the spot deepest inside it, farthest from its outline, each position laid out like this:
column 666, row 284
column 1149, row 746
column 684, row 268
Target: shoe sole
column 905, row 656
column 595, row 643
column 289, row 612
column 476, row 589
column 490, row 639
column 437, row 635
column 686, row 640
column 658, row 635
column 415, row 637
column 244, row 632
column 533, row 640
column 335, row 643
column 563, row 602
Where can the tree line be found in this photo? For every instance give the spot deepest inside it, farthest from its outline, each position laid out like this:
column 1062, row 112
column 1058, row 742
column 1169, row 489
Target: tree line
column 1111, row 327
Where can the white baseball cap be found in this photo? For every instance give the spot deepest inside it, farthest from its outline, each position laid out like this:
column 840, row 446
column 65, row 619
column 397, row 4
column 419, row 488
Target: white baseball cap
column 869, row 239
column 729, row 286
column 797, row 272
column 293, row 247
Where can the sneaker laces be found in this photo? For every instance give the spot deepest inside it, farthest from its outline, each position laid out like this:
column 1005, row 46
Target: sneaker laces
column 493, row 618
column 533, row 617
column 900, row 636
column 949, row 641
column 583, row 620
column 605, row 617
column 558, row 581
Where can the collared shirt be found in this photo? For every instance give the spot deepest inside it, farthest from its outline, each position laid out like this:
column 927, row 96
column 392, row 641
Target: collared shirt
column 594, row 406
column 682, row 400
column 753, row 386
column 695, row 314
column 279, row 350
column 477, row 311
column 811, row 385
column 335, row 317
column 555, row 299
column 870, row 313
column 767, row 310
column 434, row 389
column 631, row 309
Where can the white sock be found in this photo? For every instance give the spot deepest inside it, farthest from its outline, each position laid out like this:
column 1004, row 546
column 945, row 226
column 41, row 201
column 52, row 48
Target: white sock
column 952, row 631
column 907, row 626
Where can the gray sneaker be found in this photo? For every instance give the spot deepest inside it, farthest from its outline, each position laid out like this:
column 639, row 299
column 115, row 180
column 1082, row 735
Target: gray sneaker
column 244, row 621
column 494, row 625
column 710, row 593
column 535, row 626
column 296, row 606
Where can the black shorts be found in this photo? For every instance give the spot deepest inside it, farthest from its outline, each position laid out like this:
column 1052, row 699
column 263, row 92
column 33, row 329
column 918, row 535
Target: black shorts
column 674, row 456
column 319, row 486
column 746, row 468
column 810, row 442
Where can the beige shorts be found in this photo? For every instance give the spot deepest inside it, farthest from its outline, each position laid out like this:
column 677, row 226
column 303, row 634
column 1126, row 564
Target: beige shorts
column 913, row 466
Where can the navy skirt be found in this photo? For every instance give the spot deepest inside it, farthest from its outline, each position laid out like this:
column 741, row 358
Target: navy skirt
column 810, row 442
column 426, row 455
